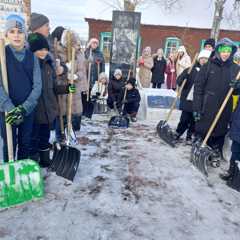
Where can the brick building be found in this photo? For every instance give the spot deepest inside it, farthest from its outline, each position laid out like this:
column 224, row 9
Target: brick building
column 22, row 7
column 157, row 36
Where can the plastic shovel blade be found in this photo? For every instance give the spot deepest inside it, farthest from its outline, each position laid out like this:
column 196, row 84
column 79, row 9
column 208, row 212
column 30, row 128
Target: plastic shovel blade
column 165, row 133
column 118, row 122
column 20, row 182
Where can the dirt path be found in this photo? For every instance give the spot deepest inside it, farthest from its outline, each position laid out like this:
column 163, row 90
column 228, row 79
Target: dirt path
column 130, row 186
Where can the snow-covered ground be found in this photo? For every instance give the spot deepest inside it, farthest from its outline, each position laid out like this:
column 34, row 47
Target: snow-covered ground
column 130, row 186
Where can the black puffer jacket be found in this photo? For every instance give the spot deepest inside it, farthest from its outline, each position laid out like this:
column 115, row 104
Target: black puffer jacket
column 133, row 96
column 47, row 108
column 211, row 88
column 116, row 89
column 235, row 126
column 97, row 56
column 185, row 104
column 158, row 70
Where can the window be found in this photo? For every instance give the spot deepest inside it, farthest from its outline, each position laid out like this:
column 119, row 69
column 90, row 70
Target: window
column 171, row 45
column 105, row 44
column 202, row 44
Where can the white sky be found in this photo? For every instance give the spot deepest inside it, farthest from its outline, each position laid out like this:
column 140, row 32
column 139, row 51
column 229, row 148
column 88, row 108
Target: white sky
column 71, row 13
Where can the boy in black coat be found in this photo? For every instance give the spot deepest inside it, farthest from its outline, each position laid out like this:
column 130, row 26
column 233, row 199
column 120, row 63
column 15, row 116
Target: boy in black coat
column 186, row 99
column 47, row 108
column 115, row 90
column 132, row 101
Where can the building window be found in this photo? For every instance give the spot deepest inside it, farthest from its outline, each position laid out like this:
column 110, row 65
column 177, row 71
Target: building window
column 202, row 44
column 171, row 45
column 106, row 44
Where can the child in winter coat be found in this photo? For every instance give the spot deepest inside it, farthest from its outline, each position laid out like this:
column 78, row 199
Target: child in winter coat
column 186, row 99
column 158, row 70
column 183, row 60
column 211, row 87
column 24, row 83
column 47, row 108
column 132, row 101
column 115, row 90
column 235, row 136
column 99, row 90
column 171, row 72
column 145, row 63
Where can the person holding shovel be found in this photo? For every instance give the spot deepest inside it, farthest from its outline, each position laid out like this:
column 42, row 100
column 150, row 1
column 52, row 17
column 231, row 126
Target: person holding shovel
column 186, row 122
column 132, row 101
column 211, row 87
column 47, row 108
column 25, row 85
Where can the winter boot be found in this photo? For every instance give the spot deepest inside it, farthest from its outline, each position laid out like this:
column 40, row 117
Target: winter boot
column 44, row 158
column 189, row 140
column 227, row 175
column 133, row 117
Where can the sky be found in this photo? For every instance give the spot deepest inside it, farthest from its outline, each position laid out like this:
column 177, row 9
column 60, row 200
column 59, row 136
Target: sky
column 71, row 13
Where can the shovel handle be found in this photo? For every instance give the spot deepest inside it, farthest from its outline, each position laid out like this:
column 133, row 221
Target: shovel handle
column 5, row 85
column 212, row 127
column 179, row 90
column 70, row 96
column 89, row 76
column 124, row 98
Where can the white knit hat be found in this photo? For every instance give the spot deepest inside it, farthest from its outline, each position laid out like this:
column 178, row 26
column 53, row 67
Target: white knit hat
column 182, row 49
column 204, row 54
column 117, row 72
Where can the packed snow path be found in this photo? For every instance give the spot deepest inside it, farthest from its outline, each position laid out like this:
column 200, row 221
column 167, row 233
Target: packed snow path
column 130, row 186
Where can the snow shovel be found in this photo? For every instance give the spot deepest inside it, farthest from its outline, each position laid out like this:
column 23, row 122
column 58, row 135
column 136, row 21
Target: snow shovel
column 119, row 121
column 20, row 181
column 163, row 129
column 66, row 161
column 201, row 153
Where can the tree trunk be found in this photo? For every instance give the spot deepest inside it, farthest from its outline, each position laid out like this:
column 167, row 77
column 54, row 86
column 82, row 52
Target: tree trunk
column 217, row 19
column 129, row 6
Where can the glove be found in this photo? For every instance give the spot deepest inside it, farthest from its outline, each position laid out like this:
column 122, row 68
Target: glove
column 16, row 116
column 235, row 84
column 197, row 116
column 98, row 94
column 141, row 62
column 72, row 88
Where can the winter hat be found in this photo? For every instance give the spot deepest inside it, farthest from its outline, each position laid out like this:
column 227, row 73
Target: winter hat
column 15, row 21
column 92, row 40
column 37, row 21
column 204, row 54
column 103, row 75
column 210, row 41
column 117, row 72
column 182, row 49
column 225, row 48
column 57, row 33
column 37, row 42
column 132, row 81
column 237, row 56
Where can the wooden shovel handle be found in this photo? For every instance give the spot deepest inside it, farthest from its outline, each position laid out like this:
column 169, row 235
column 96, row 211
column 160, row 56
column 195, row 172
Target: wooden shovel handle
column 89, row 76
column 70, row 95
column 5, row 85
column 212, row 127
column 179, row 90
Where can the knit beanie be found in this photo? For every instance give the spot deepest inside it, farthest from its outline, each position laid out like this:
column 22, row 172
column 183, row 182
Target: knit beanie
column 117, row 72
column 15, row 21
column 204, row 54
column 37, row 21
column 132, row 81
column 210, row 42
column 37, row 42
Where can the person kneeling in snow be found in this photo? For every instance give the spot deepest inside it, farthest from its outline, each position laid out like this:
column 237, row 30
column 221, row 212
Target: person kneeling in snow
column 186, row 100
column 132, row 101
column 24, row 83
column 115, row 91
column 47, row 108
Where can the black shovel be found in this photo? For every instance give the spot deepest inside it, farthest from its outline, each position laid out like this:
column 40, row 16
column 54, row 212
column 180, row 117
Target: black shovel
column 119, row 121
column 163, row 129
column 201, row 153
column 66, row 160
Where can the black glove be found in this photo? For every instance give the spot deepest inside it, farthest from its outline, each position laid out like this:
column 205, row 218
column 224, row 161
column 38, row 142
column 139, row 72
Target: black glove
column 16, row 116
column 235, row 84
column 197, row 116
column 98, row 94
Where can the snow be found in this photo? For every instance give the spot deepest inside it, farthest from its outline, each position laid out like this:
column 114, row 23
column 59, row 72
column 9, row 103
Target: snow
column 130, row 186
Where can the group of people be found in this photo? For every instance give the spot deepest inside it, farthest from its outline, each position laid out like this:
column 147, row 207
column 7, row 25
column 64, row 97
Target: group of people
column 208, row 81
column 39, row 67
column 154, row 67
